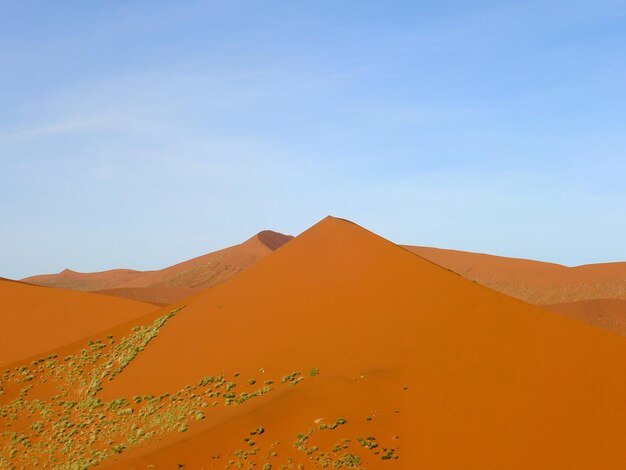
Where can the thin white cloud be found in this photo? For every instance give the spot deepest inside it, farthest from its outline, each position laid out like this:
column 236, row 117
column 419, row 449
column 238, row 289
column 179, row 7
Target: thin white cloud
column 76, row 125
column 52, row 129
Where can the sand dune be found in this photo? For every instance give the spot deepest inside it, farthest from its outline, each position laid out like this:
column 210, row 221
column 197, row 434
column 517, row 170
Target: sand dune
column 175, row 282
column 604, row 313
column 213, row 268
column 36, row 319
column 154, row 295
column 68, row 279
column 533, row 281
column 417, row 366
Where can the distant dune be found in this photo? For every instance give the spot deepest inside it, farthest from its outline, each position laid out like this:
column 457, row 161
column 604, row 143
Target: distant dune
column 605, row 313
column 154, row 295
column 36, row 319
column 68, row 279
column 535, row 282
column 173, row 283
column 590, row 293
column 339, row 348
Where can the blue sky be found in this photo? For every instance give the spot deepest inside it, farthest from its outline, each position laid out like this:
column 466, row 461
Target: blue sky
column 142, row 133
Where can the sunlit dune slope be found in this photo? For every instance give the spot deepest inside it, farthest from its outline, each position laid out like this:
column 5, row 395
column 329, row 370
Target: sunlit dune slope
column 173, row 283
column 36, row 319
column 533, row 281
column 605, row 313
column 449, row 373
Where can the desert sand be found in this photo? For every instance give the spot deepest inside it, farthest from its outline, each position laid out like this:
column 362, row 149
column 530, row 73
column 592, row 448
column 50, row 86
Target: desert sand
column 535, row 282
column 339, row 347
column 155, row 295
column 604, row 313
column 37, row 319
column 590, row 293
column 168, row 285
column 68, row 279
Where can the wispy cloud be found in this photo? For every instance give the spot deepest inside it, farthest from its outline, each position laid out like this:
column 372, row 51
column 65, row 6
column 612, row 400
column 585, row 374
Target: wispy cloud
column 72, row 126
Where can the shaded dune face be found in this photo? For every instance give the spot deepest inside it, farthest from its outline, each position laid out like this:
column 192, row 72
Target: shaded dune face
column 171, row 284
column 273, row 240
column 37, row 319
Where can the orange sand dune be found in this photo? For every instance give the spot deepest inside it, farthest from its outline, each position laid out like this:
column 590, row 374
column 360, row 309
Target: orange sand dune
column 68, row 279
column 533, row 281
column 213, row 268
column 446, row 372
column 457, row 375
column 36, row 319
column 155, row 295
column 604, row 313
column 173, row 283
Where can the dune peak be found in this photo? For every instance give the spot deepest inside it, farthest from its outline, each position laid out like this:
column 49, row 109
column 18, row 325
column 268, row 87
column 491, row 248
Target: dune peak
column 272, row 240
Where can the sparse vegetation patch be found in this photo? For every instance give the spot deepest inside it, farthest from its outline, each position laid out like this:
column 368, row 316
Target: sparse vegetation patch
column 76, row 429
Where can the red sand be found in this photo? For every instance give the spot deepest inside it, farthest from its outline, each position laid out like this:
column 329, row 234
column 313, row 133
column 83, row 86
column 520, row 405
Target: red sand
column 492, row 382
column 36, row 319
column 604, row 313
column 173, row 283
column 451, row 373
column 213, row 268
column 155, row 295
column 68, row 279
column 533, row 281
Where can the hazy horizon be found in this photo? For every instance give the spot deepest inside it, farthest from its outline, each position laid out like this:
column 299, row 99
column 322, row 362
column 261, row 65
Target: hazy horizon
column 141, row 134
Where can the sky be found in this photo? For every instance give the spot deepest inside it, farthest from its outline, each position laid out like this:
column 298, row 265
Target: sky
column 142, row 133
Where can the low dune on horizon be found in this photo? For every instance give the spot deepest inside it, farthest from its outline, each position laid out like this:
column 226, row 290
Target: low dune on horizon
column 609, row 314
column 340, row 350
column 535, row 282
column 173, row 283
column 594, row 293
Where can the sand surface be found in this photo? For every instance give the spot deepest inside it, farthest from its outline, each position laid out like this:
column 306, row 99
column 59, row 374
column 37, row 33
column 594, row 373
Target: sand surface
column 535, row 282
column 37, row 319
column 68, row 279
column 604, row 313
column 155, row 295
column 438, row 370
column 173, row 283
